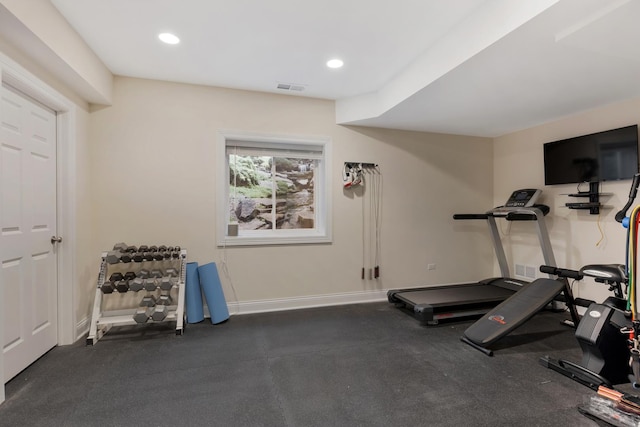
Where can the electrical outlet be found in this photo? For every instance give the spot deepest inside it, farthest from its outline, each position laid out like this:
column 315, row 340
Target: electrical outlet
column 431, row 266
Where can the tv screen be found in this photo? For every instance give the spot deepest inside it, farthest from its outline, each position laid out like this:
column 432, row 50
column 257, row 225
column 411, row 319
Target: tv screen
column 603, row 156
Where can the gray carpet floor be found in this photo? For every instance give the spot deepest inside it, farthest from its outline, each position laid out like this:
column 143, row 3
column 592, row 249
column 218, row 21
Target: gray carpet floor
column 356, row 365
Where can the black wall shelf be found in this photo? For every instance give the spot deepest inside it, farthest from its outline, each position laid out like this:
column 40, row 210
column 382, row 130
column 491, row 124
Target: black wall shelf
column 594, row 199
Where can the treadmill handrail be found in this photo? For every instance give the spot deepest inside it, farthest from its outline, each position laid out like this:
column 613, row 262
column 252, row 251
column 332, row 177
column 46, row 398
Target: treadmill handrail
column 508, row 212
column 469, row 216
column 514, row 213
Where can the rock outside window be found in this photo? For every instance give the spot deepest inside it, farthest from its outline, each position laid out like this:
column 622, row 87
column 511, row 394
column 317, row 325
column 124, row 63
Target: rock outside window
column 273, row 189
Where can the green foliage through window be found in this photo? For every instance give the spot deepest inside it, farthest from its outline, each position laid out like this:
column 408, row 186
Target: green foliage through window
column 274, row 188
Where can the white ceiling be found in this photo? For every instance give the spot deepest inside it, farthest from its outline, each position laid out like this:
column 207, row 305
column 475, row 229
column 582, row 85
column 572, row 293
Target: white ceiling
column 472, row 67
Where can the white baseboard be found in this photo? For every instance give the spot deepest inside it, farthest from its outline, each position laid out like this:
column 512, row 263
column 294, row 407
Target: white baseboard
column 279, row 304
column 82, row 328
column 296, row 303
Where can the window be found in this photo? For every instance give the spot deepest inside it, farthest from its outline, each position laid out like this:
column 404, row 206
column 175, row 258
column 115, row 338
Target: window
column 273, row 189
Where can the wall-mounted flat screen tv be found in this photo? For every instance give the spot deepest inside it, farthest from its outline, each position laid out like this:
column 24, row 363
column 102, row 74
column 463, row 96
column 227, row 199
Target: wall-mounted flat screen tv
column 603, row 156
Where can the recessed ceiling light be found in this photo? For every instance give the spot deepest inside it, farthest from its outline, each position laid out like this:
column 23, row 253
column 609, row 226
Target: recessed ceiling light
column 335, row 63
column 169, row 38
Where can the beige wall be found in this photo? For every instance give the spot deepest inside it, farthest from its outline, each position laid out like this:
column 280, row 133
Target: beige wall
column 152, row 181
column 575, row 234
column 87, row 260
column 144, row 173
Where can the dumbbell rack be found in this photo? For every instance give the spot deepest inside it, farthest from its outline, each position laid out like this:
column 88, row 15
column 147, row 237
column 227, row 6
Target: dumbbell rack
column 103, row 321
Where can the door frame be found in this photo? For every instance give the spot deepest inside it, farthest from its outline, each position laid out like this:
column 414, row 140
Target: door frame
column 18, row 77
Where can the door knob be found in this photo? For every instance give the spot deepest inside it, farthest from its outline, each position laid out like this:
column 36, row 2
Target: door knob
column 56, row 239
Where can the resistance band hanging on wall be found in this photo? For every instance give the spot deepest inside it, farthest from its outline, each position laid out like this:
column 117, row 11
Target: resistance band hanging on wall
column 368, row 178
column 632, row 224
column 632, row 263
column 632, row 295
column 374, row 192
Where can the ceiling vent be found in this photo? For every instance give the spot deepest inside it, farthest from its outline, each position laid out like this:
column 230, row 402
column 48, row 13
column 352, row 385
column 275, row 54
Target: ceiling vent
column 291, row 87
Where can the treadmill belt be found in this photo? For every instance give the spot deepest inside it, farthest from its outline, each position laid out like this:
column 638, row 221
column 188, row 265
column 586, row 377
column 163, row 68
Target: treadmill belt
column 455, row 295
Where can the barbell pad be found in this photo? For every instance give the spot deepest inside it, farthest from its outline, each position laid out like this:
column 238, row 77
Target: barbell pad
column 212, row 289
column 193, row 294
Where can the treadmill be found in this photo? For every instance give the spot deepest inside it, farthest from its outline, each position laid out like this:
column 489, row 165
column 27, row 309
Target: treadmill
column 432, row 304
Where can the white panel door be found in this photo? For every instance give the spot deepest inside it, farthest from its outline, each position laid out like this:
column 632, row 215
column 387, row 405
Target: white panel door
column 28, row 265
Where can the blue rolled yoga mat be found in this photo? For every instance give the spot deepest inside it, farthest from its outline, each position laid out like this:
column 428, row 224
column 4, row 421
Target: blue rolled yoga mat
column 195, row 312
column 212, row 288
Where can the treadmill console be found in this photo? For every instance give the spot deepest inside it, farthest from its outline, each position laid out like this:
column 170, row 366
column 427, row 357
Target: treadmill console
column 524, row 198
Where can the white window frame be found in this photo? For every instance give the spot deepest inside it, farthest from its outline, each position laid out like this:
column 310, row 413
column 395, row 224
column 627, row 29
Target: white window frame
column 321, row 233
